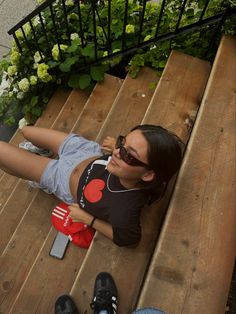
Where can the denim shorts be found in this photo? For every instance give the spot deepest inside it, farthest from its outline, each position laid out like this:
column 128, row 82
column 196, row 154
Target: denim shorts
column 56, row 176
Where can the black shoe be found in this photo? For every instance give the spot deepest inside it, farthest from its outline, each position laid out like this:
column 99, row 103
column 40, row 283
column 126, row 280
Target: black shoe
column 105, row 294
column 65, row 305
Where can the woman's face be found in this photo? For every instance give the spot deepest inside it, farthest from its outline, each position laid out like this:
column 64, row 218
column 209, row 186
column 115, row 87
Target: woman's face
column 137, row 146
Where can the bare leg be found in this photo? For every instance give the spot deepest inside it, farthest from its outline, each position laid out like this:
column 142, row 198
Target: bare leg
column 45, row 138
column 21, row 163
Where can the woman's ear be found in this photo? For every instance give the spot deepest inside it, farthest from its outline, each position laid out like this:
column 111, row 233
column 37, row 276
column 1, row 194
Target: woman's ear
column 148, row 176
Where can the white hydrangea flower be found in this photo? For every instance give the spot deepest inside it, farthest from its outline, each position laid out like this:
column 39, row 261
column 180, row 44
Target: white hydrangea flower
column 12, row 69
column 74, row 36
column 27, row 29
column 35, row 66
column 5, row 84
column 37, row 57
column 20, row 95
column 36, row 21
column 24, row 85
column 23, row 122
column 69, row 3
column 15, row 89
column 55, row 51
column 129, row 28
column 33, row 80
column 14, row 57
column 43, row 74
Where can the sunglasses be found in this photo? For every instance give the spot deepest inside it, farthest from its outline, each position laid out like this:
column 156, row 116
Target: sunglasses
column 125, row 155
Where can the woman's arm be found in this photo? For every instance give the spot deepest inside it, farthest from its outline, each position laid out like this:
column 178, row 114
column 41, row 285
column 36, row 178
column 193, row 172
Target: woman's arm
column 78, row 214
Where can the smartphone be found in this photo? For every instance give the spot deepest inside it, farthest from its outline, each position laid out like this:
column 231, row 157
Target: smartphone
column 59, row 245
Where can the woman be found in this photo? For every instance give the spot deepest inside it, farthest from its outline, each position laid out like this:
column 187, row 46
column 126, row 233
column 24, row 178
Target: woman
column 107, row 192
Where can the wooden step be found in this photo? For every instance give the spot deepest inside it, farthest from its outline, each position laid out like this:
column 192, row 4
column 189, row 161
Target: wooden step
column 193, row 262
column 128, row 266
column 15, row 195
column 97, row 109
column 16, row 199
column 25, row 221
column 130, row 105
column 43, row 282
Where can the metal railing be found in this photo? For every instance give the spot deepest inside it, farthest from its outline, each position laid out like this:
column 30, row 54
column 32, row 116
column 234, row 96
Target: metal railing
column 92, row 26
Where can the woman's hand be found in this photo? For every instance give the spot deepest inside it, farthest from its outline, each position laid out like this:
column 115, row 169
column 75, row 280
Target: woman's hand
column 108, row 144
column 78, row 214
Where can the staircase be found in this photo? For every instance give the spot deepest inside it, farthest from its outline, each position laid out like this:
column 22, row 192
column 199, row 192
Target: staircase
column 149, row 275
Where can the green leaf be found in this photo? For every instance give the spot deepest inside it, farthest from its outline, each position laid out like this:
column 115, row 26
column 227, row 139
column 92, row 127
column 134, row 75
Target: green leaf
column 37, row 111
column 84, row 81
column 97, row 73
column 66, row 65
column 76, row 43
column 88, row 51
column 34, row 101
column 9, row 120
column 41, row 40
column 4, row 64
column 52, row 64
column 162, row 63
column 74, row 81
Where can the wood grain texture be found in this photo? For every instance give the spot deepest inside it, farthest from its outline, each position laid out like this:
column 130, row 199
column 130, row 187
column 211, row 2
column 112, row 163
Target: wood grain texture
column 130, row 105
column 24, row 205
column 193, row 262
column 129, row 266
column 97, row 109
column 15, row 194
column 48, row 278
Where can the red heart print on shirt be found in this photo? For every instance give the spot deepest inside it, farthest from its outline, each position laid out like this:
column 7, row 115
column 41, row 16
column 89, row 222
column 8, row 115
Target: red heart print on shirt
column 93, row 190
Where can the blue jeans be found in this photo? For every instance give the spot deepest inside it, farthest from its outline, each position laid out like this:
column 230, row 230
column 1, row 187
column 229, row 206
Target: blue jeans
column 146, row 310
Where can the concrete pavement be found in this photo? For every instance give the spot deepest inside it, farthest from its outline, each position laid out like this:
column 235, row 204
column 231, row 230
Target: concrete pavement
column 11, row 12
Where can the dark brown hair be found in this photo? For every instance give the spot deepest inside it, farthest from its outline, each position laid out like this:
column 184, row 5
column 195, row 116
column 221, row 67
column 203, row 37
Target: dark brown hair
column 164, row 155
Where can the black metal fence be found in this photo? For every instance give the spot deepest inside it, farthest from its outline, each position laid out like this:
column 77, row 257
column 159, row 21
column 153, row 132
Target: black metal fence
column 95, row 23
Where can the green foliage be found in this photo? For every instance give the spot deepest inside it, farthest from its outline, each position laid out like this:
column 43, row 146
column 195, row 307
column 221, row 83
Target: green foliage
column 30, row 77
column 196, row 43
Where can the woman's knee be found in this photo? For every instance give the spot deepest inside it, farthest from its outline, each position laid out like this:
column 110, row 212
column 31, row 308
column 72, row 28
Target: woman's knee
column 27, row 130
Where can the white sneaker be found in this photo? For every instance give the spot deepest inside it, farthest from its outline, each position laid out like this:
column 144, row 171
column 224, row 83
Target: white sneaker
column 35, row 149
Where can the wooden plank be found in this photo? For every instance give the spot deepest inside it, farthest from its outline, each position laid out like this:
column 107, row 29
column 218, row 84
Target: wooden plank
column 193, row 262
column 73, row 108
column 44, row 281
column 128, row 266
column 29, row 208
column 20, row 196
column 48, row 278
column 130, row 105
column 21, row 251
column 95, row 112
